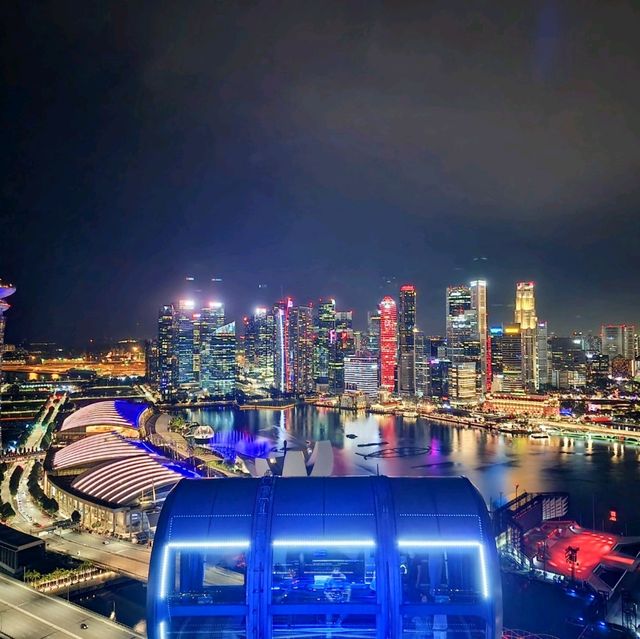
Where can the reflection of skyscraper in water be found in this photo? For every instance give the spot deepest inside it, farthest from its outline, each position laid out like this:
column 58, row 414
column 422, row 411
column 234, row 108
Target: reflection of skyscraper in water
column 525, row 317
column 5, row 291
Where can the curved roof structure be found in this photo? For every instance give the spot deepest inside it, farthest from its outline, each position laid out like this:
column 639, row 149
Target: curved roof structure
column 119, row 414
column 287, row 555
column 126, row 480
column 96, row 449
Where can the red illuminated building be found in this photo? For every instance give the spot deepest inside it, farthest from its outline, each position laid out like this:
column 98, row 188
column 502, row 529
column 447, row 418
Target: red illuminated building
column 388, row 342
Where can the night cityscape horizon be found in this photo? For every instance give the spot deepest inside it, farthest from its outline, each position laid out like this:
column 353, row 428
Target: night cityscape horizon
column 320, row 320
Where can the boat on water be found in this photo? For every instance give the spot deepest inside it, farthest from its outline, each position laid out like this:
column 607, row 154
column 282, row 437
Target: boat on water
column 410, row 414
column 539, row 435
column 203, row 434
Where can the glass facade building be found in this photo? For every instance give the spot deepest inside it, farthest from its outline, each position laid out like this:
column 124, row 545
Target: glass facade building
column 368, row 557
column 406, row 340
column 218, row 360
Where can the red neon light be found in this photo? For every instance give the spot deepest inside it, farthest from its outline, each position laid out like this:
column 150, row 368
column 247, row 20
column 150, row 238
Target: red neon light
column 388, row 342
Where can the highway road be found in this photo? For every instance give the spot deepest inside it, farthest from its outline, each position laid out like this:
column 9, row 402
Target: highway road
column 122, row 556
column 28, row 614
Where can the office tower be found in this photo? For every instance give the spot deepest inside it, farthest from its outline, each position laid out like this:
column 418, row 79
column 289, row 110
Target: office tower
column 281, row 313
column 462, row 325
column 525, row 317
column 568, row 362
column 259, row 345
column 341, row 343
column 597, row 367
column 388, row 342
column 325, row 324
column 205, row 322
column 463, row 337
column 406, row 340
column 5, row 291
column 543, row 355
column 506, row 359
column 479, row 305
column 301, row 349
column 373, row 332
column 462, row 382
column 218, row 362
column 361, row 374
column 435, row 346
column 185, row 342
column 151, row 361
column 167, row 357
column 618, row 339
column 439, row 378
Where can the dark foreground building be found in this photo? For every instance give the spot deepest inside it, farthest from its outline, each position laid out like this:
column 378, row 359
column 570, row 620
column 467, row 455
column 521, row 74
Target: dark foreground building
column 366, row 557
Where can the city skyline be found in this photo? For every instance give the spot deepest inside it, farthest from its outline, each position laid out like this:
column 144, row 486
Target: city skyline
column 432, row 319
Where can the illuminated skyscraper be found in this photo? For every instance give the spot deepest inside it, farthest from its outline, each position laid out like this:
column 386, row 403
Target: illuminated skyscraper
column 325, row 324
column 544, row 358
column 479, row 305
column 185, row 342
column 282, row 360
column 373, row 332
column 618, row 340
column 205, row 322
column 301, row 349
column 506, row 359
column 167, row 367
column 388, row 342
column 406, row 340
column 462, row 324
column 259, row 344
column 218, row 361
column 525, row 317
column 361, row 374
column 463, row 337
column 5, row 291
column 341, row 343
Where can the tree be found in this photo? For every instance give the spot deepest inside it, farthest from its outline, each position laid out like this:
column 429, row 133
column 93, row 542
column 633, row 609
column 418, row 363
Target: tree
column 76, row 517
column 15, row 480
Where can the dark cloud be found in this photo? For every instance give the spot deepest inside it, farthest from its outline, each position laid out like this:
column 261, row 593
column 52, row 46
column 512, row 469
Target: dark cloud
column 318, row 146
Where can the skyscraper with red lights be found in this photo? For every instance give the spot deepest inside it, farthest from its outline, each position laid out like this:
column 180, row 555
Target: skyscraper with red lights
column 388, row 342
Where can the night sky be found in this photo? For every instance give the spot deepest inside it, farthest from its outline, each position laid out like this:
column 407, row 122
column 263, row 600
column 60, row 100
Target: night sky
column 317, row 147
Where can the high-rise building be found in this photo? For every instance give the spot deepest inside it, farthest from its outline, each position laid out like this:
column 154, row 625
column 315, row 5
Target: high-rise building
column 185, row 343
column 361, row 374
column 218, row 362
column 5, row 291
column 301, row 349
column 151, row 361
column 259, row 344
column 506, row 359
column 167, row 375
column 341, row 343
column 568, row 362
column 406, row 340
column 205, row 322
column 388, row 342
column 463, row 337
column 325, row 324
column 544, row 356
column 618, row 339
column 525, row 317
column 439, row 377
column 281, row 312
column 479, row 305
column 373, row 332
column 462, row 382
